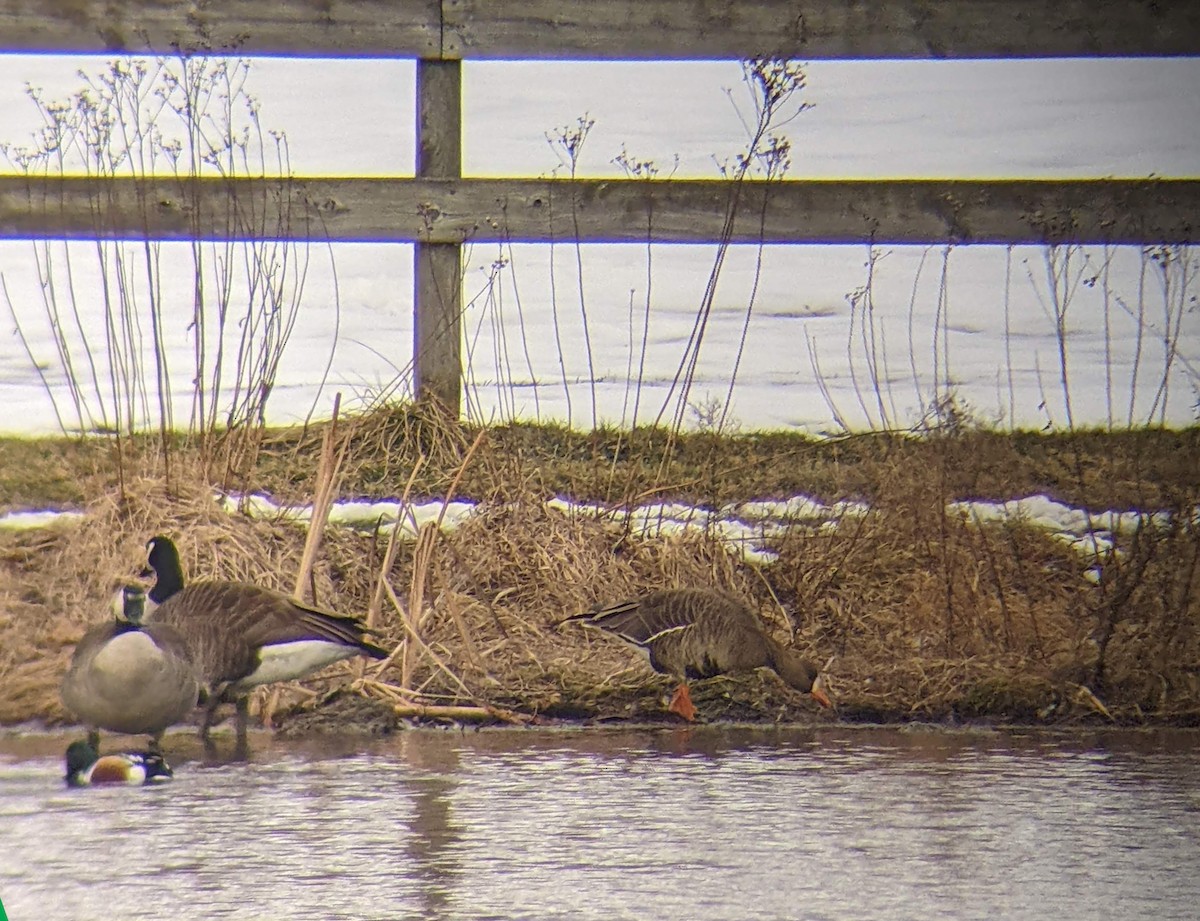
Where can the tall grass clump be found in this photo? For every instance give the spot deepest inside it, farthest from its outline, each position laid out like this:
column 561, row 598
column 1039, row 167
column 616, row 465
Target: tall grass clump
column 953, row 613
column 118, row 311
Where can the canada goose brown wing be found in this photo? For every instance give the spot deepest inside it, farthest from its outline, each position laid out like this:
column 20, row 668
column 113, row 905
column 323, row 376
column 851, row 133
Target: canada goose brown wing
column 202, row 615
column 336, row 628
column 227, row 624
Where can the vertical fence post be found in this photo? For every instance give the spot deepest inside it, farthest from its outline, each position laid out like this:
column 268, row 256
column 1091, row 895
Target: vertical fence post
column 437, row 267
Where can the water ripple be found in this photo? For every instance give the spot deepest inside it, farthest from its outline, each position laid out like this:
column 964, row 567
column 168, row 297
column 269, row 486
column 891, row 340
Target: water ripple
column 836, row 824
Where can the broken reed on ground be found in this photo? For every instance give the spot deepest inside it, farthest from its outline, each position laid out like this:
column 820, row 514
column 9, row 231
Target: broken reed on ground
column 924, row 614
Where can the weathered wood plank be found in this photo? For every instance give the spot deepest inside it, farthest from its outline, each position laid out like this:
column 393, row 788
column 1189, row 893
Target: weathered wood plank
column 437, row 266
column 811, row 29
column 609, row 29
column 323, row 28
column 618, row 210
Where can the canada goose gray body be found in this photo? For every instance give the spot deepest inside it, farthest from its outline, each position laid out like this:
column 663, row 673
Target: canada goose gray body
column 242, row 635
column 701, row 633
column 129, row 676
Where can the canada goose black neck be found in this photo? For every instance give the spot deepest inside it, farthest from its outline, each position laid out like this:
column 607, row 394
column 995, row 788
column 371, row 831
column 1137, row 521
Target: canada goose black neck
column 122, row 627
column 129, row 606
column 164, row 565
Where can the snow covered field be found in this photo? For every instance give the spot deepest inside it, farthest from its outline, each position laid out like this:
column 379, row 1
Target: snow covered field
column 983, row 321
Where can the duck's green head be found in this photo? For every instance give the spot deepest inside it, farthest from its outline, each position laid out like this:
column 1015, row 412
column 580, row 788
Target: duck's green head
column 80, row 756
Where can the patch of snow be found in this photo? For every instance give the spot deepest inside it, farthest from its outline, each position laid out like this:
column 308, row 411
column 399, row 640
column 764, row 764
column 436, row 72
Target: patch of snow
column 748, row 528
column 27, row 520
column 361, row 515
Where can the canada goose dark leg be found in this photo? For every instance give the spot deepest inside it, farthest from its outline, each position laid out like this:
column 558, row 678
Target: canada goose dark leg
column 681, row 703
column 242, row 718
column 210, row 710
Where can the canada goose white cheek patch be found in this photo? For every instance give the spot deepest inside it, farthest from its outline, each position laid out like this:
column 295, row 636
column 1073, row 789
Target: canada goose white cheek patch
column 288, row 661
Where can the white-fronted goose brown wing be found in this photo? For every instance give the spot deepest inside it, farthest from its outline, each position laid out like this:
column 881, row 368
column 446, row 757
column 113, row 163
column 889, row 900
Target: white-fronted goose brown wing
column 701, row 633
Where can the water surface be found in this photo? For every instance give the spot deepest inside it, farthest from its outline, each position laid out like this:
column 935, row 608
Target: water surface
column 829, row 823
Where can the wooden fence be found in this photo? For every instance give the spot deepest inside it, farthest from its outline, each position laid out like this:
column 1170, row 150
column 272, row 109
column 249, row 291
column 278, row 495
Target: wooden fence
column 439, row 210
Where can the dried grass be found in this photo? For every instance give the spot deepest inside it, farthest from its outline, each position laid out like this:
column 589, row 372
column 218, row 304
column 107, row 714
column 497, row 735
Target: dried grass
column 921, row 614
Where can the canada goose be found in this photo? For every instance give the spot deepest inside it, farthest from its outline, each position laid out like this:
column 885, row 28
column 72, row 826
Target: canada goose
column 701, row 633
column 242, row 635
column 85, row 767
column 129, row 676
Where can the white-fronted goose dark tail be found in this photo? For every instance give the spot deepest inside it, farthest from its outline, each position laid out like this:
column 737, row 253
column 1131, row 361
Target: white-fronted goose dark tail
column 242, row 635
column 130, row 676
column 701, row 633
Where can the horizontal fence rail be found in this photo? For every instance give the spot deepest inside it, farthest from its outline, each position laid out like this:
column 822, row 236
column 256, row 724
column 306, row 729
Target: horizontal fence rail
column 609, row 210
column 609, row 29
column 439, row 211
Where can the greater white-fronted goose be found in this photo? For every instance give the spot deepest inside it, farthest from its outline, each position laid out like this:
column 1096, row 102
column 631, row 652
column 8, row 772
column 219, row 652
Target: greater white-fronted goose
column 701, row 633
column 129, row 676
column 86, row 767
column 242, row 635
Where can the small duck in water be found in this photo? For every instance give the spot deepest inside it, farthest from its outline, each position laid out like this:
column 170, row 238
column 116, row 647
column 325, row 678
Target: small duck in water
column 86, row 767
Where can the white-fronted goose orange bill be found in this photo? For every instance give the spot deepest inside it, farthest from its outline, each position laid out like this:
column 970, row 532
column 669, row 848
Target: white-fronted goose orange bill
column 129, row 676
column 701, row 633
column 242, row 635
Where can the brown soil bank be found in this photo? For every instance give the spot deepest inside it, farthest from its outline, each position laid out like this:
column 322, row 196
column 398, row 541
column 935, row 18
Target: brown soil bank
column 921, row 613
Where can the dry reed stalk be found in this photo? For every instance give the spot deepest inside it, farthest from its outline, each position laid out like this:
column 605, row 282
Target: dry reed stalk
column 383, row 689
column 328, row 475
column 328, row 470
column 269, row 705
column 458, row 475
column 389, row 556
column 463, row 631
column 461, row 714
column 398, row 649
column 1084, row 695
column 414, row 637
column 410, row 615
column 422, row 559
